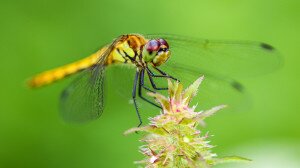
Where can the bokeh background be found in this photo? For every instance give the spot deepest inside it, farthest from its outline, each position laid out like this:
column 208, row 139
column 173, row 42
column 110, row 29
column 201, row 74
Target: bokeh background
column 36, row 35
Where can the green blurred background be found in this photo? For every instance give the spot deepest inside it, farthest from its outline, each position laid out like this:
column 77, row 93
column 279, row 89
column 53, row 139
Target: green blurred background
column 36, row 35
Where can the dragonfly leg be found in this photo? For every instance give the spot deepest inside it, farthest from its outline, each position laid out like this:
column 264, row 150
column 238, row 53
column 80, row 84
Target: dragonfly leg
column 142, row 78
column 151, row 75
column 141, row 85
column 165, row 74
column 134, row 97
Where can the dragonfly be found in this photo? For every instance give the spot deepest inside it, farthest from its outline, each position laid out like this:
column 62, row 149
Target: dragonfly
column 161, row 56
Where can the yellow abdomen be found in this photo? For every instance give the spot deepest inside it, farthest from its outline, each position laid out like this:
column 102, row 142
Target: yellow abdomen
column 51, row 76
column 124, row 51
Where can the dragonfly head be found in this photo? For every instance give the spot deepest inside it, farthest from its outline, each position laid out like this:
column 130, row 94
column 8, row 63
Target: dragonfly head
column 156, row 51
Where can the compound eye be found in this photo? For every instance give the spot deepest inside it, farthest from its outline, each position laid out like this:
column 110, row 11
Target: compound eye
column 153, row 45
column 163, row 42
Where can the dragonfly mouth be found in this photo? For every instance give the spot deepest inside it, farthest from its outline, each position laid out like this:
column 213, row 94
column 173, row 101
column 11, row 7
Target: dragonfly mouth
column 161, row 57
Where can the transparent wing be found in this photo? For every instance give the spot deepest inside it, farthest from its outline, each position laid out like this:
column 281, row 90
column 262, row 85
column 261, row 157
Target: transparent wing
column 227, row 58
column 214, row 90
column 83, row 99
column 222, row 63
column 120, row 77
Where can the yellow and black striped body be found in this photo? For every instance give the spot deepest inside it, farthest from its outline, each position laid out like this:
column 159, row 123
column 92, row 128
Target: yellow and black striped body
column 125, row 49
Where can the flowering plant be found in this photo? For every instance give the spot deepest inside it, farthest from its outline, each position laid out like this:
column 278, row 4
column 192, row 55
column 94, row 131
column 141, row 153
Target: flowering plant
column 172, row 138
